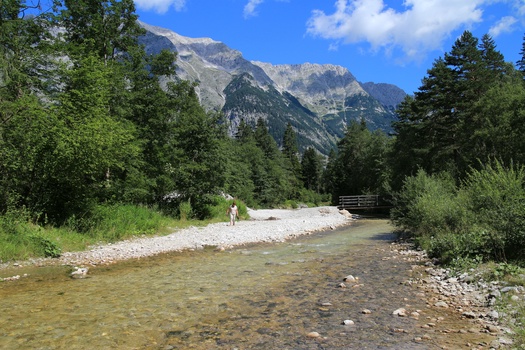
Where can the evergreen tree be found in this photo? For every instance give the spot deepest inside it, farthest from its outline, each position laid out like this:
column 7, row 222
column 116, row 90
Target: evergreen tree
column 521, row 62
column 291, row 160
column 244, row 132
column 312, row 169
column 329, row 176
column 265, row 141
column 361, row 163
column 435, row 129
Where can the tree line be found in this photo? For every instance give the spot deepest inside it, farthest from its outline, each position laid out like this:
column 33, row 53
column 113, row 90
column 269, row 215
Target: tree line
column 85, row 121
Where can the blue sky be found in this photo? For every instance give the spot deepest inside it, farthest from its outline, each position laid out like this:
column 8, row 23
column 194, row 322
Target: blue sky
column 384, row 41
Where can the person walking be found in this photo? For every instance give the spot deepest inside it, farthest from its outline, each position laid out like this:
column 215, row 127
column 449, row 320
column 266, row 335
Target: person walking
column 234, row 213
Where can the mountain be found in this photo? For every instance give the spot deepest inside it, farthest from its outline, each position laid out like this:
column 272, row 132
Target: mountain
column 318, row 100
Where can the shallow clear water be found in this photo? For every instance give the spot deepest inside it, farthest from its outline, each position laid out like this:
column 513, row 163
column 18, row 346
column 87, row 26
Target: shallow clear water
column 262, row 296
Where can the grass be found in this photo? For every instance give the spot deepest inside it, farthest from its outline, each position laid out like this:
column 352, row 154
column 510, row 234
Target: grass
column 21, row 240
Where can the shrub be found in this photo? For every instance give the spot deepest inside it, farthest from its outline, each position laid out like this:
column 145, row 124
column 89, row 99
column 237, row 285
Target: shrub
column 44, row 246
column 484, row 220
column 496, row 195
column 185, row 210
column 21, row 239
column 426, row 204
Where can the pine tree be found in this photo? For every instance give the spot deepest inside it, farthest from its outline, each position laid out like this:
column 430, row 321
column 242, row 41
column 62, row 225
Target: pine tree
column 291, row 160
column 312, row 169
column 521, row 62
column 435, row 128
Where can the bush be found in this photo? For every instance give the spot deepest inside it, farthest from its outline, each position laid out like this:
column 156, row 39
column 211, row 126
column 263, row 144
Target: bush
column 44, row 246
column 313, row 198
column 484, row 220
column 185, row 210
column 21, row 239
column 497, row 197
column 426, row 205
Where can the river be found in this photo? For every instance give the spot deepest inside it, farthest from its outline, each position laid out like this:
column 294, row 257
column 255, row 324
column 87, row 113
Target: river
column 260, row 296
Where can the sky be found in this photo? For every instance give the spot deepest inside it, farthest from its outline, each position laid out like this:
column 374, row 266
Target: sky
column 382, row 41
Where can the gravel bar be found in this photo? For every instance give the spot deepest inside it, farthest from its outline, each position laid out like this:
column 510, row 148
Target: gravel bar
column 268, row 225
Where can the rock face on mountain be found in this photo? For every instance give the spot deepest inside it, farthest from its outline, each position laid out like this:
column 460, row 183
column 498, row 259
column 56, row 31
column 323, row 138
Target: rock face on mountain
column 318, row 100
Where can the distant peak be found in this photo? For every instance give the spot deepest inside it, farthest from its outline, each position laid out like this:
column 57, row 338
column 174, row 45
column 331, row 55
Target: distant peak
column 177, row 37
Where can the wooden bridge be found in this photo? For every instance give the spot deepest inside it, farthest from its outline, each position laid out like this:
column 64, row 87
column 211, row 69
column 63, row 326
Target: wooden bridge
column 364, row 202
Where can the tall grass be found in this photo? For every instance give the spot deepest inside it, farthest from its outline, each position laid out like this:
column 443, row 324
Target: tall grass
column 21, row 239
column 115, row 222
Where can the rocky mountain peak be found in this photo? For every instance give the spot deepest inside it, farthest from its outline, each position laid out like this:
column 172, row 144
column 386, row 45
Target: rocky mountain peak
column 318, row 99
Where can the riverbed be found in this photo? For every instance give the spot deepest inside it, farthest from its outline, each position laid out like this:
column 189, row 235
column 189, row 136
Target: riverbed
column 288, row 295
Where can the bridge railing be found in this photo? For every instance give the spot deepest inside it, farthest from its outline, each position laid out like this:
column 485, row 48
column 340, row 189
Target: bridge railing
column 371, row 201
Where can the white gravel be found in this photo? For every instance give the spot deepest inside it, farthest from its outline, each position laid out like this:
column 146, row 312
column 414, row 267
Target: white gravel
column 274, row 225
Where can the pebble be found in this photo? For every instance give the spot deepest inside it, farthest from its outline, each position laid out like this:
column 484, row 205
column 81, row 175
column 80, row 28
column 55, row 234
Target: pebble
column 401, row 312
column 291, row 223
column 349, row 278
column 441, row 304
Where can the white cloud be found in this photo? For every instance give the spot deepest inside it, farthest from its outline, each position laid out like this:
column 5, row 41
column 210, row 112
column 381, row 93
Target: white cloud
column 160, row 6
column 504, row 25
column 251, row 7
column 519, row 6
column 421, row 26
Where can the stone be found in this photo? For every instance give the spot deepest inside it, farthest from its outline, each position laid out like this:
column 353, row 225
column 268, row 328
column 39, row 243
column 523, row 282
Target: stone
column 469, row 314
column 495, row 344
column 349, row 278
column 493, row 314
column 492, row 329
column 366, row 311
column 80, row 272
column 505, row 341
column 401, row 312
column 348, row 322
column 313, row 335
column 441, row 304
column 508, row 289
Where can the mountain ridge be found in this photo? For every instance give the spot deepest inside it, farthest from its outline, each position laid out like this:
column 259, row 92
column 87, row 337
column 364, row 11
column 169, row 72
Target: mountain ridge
column 319, row 100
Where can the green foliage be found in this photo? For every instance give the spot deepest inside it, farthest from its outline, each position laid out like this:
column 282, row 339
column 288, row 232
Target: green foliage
column 21, row 239
column 185, row 210
column 443, row 127
column 482, row 220
column 313, row 198
column 44, row 246
column 497, row 196
column 360, row 166
column 118, row 221
column 427, row 205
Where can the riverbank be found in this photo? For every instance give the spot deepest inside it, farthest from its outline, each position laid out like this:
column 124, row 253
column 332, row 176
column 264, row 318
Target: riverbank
column 462, row 304
column 269, row 225
column 459, row 308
